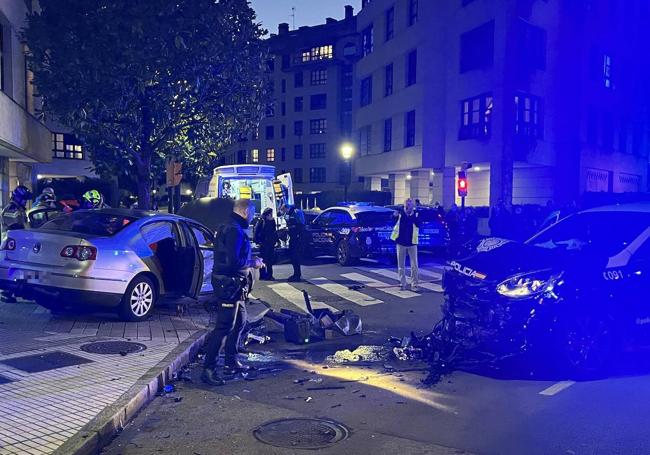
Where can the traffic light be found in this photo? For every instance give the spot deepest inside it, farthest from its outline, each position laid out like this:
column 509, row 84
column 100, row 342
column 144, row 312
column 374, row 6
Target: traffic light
column 462, row 183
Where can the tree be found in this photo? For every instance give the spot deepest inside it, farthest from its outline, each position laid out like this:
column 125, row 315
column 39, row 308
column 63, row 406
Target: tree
column 142, row 81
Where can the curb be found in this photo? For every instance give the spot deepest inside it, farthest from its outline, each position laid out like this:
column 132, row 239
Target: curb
column 100, row 431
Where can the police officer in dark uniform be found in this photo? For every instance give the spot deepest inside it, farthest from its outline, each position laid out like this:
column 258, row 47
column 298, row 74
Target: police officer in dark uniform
column 232, row 263
column 295, row 219
column 14, row 216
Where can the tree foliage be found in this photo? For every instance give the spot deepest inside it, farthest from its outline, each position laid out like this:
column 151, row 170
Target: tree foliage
column 141, row 81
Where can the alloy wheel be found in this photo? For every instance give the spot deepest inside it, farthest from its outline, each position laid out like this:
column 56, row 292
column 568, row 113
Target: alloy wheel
column 141, row 299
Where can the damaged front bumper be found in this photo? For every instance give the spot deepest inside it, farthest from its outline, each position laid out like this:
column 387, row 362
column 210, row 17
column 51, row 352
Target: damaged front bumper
column 486, row 325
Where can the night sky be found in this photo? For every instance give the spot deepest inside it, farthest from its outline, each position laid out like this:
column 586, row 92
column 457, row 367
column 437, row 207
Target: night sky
column 308, row 12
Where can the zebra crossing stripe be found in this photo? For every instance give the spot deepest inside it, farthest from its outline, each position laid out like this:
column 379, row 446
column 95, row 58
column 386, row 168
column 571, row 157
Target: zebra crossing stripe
column 295, row 297
column 392, row 274
column 379, row 285
column 435, row 275
column 356, row 297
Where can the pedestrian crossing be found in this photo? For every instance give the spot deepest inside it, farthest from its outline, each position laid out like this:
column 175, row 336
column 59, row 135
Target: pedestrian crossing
column 352, row 287
column 435, row 287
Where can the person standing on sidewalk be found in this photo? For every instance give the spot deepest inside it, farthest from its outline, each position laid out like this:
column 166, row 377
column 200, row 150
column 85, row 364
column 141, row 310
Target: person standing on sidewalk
column 232, row 263
column 266, row 236
column 405, row 235
column 296, row 226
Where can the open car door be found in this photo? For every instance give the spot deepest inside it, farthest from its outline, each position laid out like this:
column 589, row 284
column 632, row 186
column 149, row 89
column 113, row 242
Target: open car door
column 287, row 187
column 192, row 253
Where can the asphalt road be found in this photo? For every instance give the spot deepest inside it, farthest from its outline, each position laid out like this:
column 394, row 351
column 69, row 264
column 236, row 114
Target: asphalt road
column 383, row 403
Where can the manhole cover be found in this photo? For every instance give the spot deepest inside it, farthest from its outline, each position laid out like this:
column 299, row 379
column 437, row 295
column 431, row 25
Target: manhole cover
column 113, row 347
column 301, row 433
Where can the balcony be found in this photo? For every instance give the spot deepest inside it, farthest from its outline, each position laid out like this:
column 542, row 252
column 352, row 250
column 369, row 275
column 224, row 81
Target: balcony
column 22, row 137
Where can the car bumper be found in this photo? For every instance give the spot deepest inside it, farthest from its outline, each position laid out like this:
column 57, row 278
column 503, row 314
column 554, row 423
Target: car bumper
column 494, row 325
column 35, row 283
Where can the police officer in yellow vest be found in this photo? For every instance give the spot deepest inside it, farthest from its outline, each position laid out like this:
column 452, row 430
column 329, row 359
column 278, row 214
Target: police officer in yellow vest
column 405, row 235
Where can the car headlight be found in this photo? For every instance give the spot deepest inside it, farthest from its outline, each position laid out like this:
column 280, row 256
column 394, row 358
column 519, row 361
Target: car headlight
column 529, row 284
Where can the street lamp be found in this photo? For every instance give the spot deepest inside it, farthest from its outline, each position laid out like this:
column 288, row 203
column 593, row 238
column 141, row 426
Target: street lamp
column 347, row 152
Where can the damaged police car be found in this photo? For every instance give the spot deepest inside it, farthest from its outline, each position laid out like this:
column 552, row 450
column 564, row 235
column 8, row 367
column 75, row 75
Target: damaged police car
column 577, row 290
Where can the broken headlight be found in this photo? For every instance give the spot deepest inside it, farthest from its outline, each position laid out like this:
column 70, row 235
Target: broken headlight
column 529, row 284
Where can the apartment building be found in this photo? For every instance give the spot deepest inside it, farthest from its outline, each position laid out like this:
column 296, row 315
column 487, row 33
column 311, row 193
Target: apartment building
column 546, row 99
column 24, row 140
column 312, row 73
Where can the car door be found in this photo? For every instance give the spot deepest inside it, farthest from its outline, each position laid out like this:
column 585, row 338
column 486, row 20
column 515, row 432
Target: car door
column 191, row 263
column 205, row 240
column 321, row 238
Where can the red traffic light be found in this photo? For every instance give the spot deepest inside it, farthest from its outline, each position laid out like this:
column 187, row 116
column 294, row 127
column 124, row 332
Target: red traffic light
column 462, row 184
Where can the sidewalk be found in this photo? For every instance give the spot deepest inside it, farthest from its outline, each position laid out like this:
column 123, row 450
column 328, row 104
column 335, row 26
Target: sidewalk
column 50, row 388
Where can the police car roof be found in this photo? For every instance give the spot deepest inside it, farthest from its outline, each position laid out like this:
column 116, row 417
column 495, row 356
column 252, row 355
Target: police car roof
column 641, row 207
column 354, row 209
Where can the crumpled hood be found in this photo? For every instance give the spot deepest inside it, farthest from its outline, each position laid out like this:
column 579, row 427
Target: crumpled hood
column 496, row 259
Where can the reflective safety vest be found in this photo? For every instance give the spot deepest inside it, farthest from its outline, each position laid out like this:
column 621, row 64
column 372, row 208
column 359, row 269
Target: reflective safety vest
column 395, row 234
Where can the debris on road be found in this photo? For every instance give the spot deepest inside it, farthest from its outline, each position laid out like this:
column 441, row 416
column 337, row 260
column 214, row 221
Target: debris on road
column 308, row 399
column 316, row 325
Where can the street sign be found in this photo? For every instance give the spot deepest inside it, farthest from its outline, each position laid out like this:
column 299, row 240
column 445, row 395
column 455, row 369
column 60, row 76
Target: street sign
column 174, row 173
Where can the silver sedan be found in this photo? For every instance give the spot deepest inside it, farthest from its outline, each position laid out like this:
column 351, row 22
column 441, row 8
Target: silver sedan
column 115, row 258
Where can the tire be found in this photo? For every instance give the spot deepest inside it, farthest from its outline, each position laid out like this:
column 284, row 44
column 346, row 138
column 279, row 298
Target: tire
column 344, row 255
column 139, row 300
column 589, row 343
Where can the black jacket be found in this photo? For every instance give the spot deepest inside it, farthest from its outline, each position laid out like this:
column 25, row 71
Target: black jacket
column 13, row 216
column 266, row 235
column 232, row 249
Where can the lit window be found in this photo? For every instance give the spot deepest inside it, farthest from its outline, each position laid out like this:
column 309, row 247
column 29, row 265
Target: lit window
column 476, row 117
column 255, row 156
column 66, row 146
column 270, row 155
column 318, row 53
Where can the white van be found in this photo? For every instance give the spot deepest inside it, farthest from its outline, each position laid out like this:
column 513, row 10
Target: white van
column 256, row 182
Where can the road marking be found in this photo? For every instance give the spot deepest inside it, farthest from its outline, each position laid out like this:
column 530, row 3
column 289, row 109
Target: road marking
column 379, row 285
column 556, row 388
column 295, row 296
column 357, row 297
column 394, row 275
column 435, row 275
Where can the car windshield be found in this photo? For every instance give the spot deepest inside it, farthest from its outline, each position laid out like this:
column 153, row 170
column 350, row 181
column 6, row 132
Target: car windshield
column 375, row 218
column 606, row 233
column 90, row 222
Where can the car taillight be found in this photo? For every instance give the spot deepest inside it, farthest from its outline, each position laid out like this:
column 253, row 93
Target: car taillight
column 81, row 253
column 10, row 244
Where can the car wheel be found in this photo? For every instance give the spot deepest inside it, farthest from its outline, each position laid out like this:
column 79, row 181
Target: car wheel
column 588, row 345
column 139, row 299
column 344, row 255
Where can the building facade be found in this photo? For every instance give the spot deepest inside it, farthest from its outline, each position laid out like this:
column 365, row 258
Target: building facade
column 312, row 70
column 546, row 99
column 24, row 140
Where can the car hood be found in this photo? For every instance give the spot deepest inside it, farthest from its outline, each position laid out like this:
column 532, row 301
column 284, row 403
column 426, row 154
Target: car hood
column 498, row 259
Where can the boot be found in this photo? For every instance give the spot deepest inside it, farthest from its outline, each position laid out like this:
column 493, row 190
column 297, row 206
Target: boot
column 210, row 377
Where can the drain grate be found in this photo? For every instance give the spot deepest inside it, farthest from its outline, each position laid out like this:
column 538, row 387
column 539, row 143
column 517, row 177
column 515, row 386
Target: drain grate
column 45, row 362
column 301, row 433
column 113, row 347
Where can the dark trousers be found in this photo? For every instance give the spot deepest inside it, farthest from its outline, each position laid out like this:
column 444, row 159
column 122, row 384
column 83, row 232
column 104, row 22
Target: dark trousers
column 295, row 251
column 231, row 318
column 268, row 256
